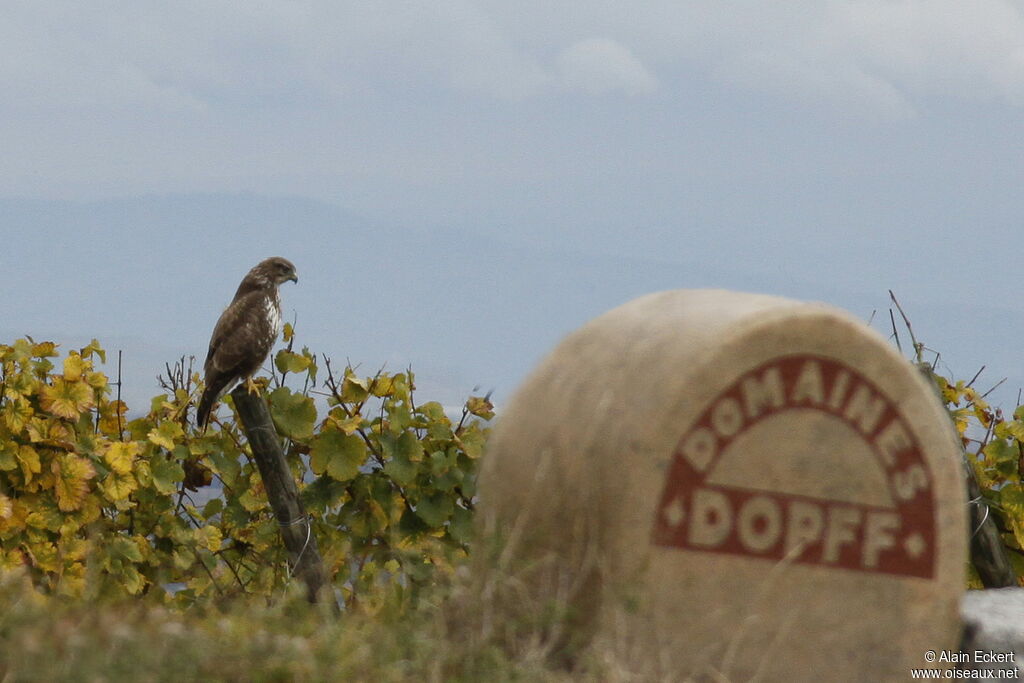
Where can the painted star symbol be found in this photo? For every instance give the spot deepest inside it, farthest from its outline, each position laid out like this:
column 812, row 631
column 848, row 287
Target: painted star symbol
column 674, row 512
column 914, row 545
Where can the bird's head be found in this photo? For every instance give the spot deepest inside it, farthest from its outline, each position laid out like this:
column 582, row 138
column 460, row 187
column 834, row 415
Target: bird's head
column 275, row 271
column 267, row 274
column 282, row 270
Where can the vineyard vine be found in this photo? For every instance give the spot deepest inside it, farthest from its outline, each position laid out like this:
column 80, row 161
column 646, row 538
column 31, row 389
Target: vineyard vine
column 95, row 504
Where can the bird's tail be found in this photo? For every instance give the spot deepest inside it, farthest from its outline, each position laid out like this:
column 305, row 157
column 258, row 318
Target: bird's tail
column 210, row 395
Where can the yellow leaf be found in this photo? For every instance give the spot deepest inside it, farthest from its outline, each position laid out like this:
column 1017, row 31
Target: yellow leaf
column 253, row 499
column 6, row 507
column 349, row 425
column 480, row 406
column 120, row 456
column 73, row 367
column 74, row 549
column 17, row 520
column 66, row 399
column 90, row 511
column 97, row 380
column 383, row 385
column 143, row 472
column 109, row 413
column 44, row 349
column 209, row 537
column 29, row 461
column 50, row 432
column 165, row 434
column 12, row 560
column 183, row 558
column 17, row 413
column 118, row 486
column 94, row 348
column 72, row 581
column 45, row 556
column 23, row 384
column 72, row 485
column 354, row 389
column 44, row 515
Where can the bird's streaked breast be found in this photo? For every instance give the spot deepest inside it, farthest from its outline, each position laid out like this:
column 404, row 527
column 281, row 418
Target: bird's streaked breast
column 274, row 315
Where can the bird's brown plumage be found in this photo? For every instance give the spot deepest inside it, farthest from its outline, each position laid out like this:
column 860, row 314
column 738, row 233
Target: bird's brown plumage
column 245, row 332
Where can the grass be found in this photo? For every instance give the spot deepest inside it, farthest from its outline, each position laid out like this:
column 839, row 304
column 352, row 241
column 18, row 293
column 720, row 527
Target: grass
column 44, row 638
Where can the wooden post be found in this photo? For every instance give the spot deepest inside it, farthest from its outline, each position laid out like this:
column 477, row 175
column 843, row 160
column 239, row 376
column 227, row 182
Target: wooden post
column 988, row 554
column 296, row 531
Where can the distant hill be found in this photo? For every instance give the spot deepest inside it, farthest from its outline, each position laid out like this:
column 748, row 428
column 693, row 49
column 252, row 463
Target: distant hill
column 151, row 274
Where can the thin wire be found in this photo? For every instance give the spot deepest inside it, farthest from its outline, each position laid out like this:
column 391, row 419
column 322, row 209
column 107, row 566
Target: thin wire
column 979, row 501
column 309, row 535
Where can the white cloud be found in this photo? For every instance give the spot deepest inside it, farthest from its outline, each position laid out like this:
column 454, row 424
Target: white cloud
column 881, row 53
column 841, row 83
column 939, row 47
column 875, row 56
column 241, row 95
column 599, row 66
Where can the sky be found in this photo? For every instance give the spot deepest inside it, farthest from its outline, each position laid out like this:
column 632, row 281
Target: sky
column 461, row 184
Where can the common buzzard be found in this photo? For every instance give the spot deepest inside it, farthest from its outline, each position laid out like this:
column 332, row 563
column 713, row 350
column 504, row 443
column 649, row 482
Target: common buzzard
column 245, row 332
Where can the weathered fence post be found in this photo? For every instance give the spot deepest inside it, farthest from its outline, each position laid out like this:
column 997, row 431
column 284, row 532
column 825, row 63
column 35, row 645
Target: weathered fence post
column 987, row 550
column 296, row 530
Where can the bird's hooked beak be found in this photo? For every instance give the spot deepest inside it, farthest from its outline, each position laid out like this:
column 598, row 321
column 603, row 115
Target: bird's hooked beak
column 294, row 278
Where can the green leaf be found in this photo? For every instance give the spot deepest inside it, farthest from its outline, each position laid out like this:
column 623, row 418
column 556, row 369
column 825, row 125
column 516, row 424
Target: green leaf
column 399, row 415
column 212, row 507
column 226, row 465
column 435, row 510
column 472, row 442
column 1015, row 429
column 401, row 471
column 411, row 524
column 1011, row 499
column 338, row 454
column 323, row 493
column 433, row 410
column 166, row 474
column 287, row 361
column 234, row 514
column 132, row 580
column 125, row 547
column 461, row 526
column 401, row 453
column 8, row 461
column 1000, row 449
column 439, row 463
column 293, row 414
